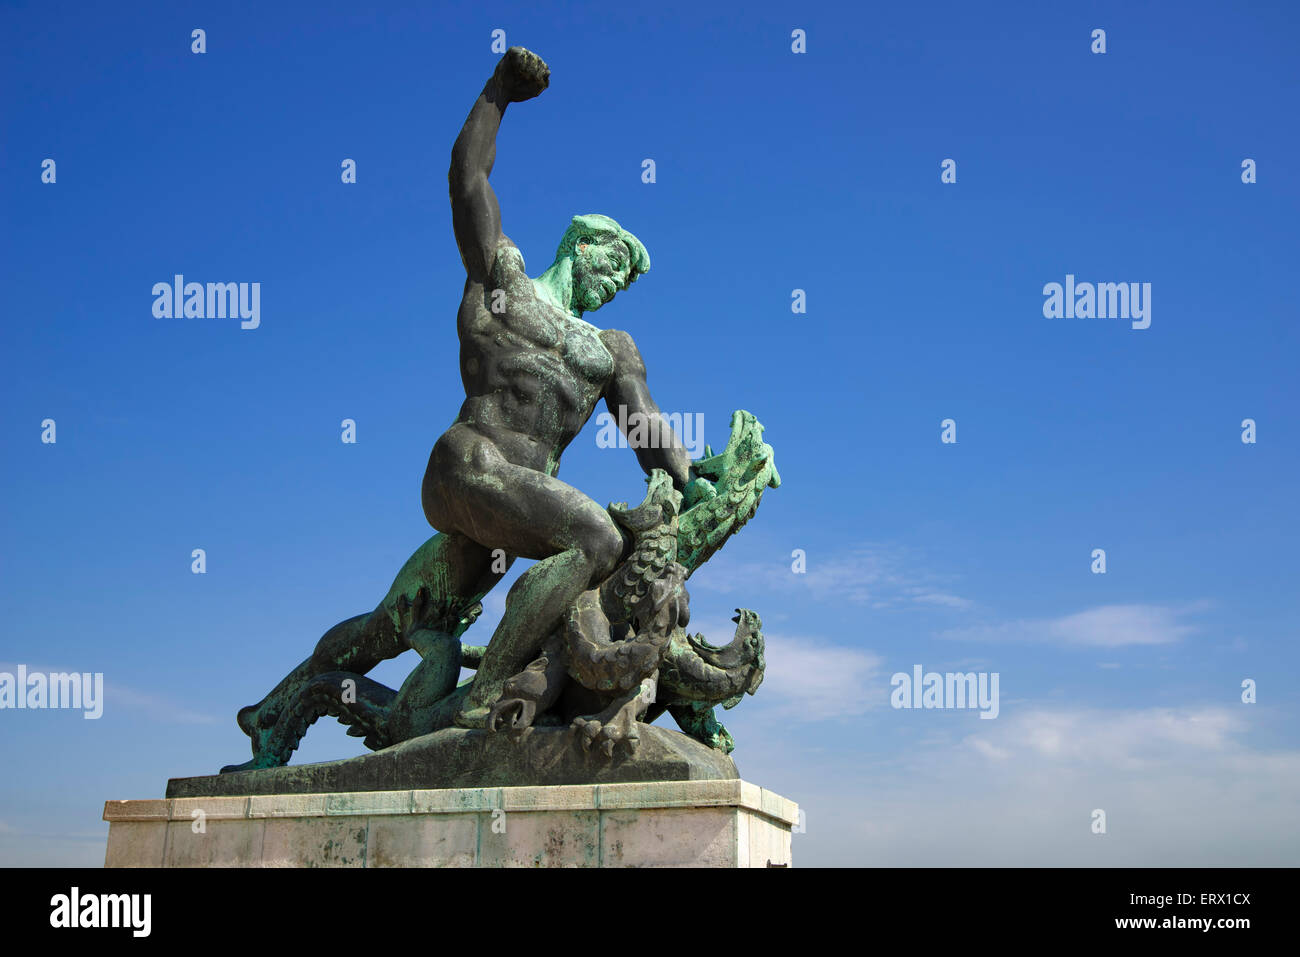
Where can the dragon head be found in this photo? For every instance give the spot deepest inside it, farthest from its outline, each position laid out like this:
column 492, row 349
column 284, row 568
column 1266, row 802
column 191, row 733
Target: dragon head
column 724, row 491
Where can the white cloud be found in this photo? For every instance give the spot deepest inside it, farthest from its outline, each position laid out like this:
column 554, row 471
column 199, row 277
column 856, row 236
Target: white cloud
column 815, row 681
column 807, row 679
column 1180, row 787
column 1128, row 739
column 876, row 575
column 1108, row 626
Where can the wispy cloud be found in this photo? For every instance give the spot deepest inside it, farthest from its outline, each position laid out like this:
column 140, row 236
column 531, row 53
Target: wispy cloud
column 815, row 681
column 117, row 694
column 873, row 574
column 1178, row 786
column 156, row 706
column 808, row 679
column 1108, row 626
column 1115, row 739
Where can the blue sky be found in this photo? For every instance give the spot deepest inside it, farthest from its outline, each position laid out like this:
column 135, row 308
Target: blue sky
column 775, row 171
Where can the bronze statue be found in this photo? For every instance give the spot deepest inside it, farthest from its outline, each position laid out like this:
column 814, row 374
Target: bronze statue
column 596, row 623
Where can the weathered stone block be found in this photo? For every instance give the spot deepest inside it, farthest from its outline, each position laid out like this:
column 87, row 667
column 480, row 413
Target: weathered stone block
column 648, row 824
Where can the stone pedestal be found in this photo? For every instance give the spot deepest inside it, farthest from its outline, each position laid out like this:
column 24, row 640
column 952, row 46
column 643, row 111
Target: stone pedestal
column 718, row 823
column 456, row 758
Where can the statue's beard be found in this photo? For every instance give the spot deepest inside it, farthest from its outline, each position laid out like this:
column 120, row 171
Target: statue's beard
column 590, row 296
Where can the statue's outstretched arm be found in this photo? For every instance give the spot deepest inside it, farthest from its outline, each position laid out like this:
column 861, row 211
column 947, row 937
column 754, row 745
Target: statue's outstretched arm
column 475, row 215
column 656, row 444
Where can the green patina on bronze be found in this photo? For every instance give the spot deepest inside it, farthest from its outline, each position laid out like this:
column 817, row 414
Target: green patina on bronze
column 593, row 637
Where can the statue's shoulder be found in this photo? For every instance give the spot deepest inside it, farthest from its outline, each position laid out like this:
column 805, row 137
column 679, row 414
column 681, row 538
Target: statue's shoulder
column 509, row 260
column 622, row 347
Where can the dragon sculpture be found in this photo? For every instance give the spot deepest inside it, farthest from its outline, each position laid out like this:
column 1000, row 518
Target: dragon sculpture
column 621, row 657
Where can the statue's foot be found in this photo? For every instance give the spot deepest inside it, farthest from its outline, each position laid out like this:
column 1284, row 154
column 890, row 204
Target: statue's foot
column 606, row 736
column 258, row 763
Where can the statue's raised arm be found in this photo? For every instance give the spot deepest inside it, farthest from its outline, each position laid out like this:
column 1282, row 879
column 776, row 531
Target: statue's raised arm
column 475, row 215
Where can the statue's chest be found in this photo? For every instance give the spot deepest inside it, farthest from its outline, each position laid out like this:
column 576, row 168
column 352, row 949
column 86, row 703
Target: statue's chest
column 512, row 316
column 585, row 354
column 551, row 347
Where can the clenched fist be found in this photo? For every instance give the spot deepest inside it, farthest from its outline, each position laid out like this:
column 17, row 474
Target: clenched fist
column 522, row 74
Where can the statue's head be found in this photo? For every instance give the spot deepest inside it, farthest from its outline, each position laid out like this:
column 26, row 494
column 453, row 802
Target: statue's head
column 605, row 258
column 665, row 606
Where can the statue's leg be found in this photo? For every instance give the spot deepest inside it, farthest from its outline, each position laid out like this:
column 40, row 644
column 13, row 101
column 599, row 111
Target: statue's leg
column 534, row 608
column 414, row 711
column 355, row 645
column 455, row 571
column 698, row 720
column 365, row 711
column 534, row 515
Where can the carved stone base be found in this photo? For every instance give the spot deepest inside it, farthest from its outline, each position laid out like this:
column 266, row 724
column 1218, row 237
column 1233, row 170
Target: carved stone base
column 729, row 823
column 456, row 758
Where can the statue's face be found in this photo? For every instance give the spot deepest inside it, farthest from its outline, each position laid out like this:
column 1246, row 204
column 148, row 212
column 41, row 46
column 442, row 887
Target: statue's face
column 600, row 269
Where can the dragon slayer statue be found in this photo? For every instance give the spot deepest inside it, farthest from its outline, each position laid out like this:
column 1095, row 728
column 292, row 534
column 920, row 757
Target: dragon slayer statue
column 593, row 635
